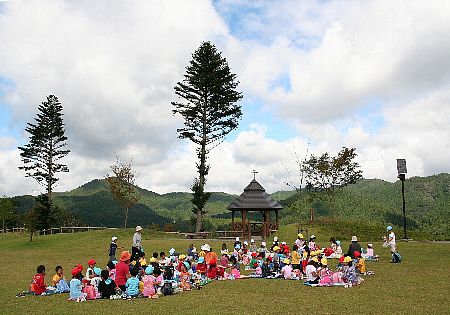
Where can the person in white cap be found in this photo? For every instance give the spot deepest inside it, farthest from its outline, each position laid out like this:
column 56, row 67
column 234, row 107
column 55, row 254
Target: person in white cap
column 136, row 248
column 237, row 242
column 263, row 248
column 245, row 247
column 312, row 243
column 112, row 249
column 391, row 239
column 274, row 243
column 354, row 246
column 253, row 248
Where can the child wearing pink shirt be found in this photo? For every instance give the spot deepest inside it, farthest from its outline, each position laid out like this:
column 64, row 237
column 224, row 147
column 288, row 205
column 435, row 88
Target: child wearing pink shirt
column 286, row 271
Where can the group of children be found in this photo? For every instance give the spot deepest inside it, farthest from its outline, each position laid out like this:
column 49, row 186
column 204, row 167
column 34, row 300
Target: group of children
column 163, row 274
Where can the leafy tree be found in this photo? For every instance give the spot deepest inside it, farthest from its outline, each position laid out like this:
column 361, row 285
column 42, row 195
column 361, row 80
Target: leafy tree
column 121, row 185
column 41, row 156
column 208, row 106
column 7, row 211
column 326, row 173
column 39, row 217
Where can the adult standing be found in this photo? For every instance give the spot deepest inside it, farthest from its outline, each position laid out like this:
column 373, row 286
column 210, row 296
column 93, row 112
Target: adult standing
column 123, row 270
column 354, row 246
column 136, row 248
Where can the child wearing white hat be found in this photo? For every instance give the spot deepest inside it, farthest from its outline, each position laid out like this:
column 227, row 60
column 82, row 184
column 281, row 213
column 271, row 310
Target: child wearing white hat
column 112, row 249
column 237, row 242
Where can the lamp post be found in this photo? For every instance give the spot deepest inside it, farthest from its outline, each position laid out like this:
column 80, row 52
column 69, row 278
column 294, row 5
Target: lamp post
column 401, row 169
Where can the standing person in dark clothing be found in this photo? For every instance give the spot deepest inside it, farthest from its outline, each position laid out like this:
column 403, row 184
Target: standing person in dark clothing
column 354, row 246
column 136, row 249
column 112, row 249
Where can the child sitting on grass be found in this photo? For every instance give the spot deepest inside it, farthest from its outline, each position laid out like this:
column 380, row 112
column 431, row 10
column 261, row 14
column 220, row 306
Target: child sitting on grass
column 349, row 272
column 325, row 273
column 159, row 280
column 312, row 275
column 370, row 255
column 201, row 267
column 107, row 286
column 76, row 286
column 132, row 284
column 37, row 286
column 59, row 281
column 58, row 276
column 149, row 283
column 286, row 271
column 90, row 269
column 360, row 263
column 111, row 267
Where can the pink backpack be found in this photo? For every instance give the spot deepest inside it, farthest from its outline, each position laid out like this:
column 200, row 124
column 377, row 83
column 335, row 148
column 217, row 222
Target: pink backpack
column 337, row 277
column 236, row 274
column 90, row 292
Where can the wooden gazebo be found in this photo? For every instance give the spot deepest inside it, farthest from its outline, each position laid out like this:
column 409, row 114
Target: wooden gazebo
column 255, row 199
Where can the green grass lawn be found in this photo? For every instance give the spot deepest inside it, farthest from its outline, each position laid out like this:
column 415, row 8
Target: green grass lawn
column 420, row 281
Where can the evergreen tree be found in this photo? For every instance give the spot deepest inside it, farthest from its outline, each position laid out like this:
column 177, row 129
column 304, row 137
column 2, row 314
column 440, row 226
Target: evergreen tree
column 46, row 147
column 209, row 109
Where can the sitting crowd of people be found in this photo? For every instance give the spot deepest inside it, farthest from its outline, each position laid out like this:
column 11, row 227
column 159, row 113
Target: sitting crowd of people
column 135, row 275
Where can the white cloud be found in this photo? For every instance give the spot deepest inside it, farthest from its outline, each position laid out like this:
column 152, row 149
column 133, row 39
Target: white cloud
column 114, row 65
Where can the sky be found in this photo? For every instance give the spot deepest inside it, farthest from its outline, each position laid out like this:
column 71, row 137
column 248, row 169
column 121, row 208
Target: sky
column 316, row 76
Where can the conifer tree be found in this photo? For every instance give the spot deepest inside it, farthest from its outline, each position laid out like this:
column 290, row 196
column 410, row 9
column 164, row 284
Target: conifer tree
column 208, row 98
column 41, row 156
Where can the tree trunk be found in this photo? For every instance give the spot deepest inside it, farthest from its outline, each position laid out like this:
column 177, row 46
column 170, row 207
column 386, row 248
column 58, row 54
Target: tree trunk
column 126, row 217
column 198, row 223
column 202, row 167
column 31, row 236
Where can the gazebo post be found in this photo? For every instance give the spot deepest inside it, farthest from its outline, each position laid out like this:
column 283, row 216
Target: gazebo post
column 244, row 223
column 276, row 219
column 266, row 224
column 232, row 218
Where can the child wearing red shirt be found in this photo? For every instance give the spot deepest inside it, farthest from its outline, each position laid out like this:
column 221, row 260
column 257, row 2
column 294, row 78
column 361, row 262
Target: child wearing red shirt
column 212, row 269
column 201, row 266
column 37, row 285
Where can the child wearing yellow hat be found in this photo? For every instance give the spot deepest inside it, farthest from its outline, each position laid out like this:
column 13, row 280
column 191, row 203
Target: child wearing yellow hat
column 325, row 273
column 349, row 272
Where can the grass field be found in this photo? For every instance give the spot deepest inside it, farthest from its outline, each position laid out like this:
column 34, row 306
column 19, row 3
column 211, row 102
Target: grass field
column 420, row 284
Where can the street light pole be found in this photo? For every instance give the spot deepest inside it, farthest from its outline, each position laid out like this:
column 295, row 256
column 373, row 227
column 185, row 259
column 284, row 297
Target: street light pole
column 401, row 168
column 402, row 179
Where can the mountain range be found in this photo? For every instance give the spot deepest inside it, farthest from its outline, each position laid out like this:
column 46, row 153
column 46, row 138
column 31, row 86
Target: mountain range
column 371, row 200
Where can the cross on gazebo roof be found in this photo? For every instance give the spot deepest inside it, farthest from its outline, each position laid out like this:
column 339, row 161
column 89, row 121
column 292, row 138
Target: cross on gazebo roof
column 254, row 172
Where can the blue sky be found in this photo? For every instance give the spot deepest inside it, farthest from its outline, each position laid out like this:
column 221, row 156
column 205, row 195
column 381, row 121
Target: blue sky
column 317, row 75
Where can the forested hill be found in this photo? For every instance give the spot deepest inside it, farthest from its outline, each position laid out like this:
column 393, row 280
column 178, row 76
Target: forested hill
column 93, row 204
column 427, row 204
column 373, row 200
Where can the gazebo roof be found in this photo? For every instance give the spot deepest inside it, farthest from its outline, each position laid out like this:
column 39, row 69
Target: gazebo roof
column 255, row 198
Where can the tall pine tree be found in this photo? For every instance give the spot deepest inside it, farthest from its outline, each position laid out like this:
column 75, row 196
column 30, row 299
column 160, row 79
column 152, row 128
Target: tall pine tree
column 41, row 156
column 208, row 106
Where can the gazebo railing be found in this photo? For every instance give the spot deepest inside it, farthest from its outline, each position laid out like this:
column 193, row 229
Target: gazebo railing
column 256, row 228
